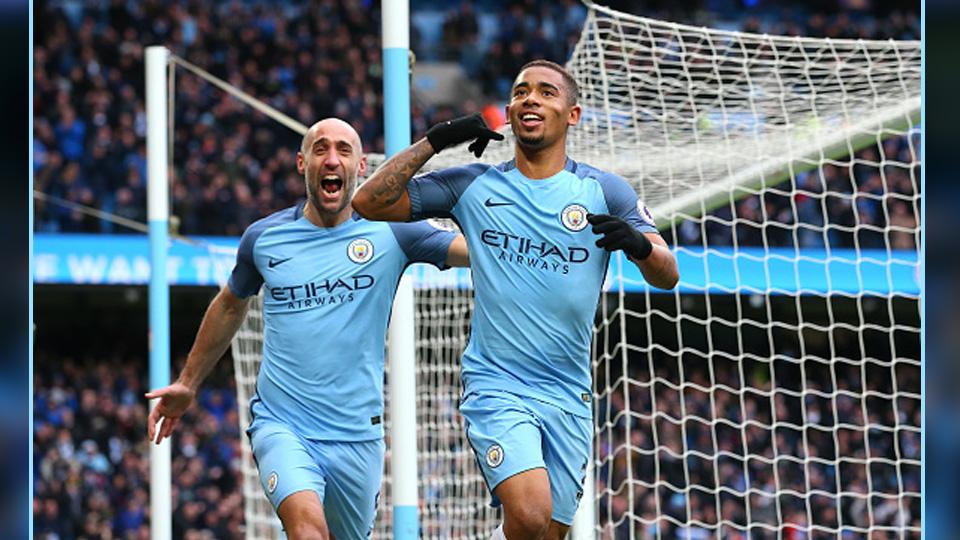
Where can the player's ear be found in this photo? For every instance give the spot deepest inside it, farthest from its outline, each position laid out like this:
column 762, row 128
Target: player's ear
column 300, row 162
column 363, row 166
column 506, row 113
column 574, row 117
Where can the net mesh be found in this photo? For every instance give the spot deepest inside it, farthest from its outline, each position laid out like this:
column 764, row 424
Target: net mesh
column 692, row 116
column 755, row 401
column 455, row 502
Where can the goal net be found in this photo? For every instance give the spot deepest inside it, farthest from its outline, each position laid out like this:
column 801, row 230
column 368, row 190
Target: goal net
column 776, row 392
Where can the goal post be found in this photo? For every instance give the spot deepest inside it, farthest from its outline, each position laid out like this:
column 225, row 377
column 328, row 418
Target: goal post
column 401, row 357
column 158, row 211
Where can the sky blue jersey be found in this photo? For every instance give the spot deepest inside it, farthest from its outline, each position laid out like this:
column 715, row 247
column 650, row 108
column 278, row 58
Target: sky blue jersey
column 327, row 299
column 536, row 269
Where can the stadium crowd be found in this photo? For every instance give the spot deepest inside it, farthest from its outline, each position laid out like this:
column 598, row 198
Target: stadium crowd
column 234, row 166
column 91, row 475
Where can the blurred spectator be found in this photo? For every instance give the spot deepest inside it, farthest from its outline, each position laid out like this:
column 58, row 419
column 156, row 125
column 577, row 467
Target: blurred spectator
column 460, row 26
column 70, row 133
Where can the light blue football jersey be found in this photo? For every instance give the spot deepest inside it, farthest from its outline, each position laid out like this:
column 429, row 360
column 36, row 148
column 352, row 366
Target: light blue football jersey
column 327, row 299
column 536, row 270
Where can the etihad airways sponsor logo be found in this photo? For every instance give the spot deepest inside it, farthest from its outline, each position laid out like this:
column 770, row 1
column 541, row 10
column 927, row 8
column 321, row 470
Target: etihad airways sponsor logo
column 534, row 253
column 321, row 293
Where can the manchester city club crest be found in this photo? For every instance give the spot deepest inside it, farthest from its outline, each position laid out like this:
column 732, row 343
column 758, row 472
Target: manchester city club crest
column 494, row 456
column 272, row 482
column 574, row 217
column 360, row 250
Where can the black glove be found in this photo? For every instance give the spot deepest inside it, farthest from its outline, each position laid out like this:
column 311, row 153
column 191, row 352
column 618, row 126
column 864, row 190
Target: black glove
column 461, row 130
column 618, row 234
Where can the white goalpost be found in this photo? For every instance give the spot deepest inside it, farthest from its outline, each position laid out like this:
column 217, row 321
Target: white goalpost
column 776, row 392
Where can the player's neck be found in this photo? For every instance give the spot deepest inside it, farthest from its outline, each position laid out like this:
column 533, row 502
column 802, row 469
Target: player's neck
column 540, row 163
column 324, row 219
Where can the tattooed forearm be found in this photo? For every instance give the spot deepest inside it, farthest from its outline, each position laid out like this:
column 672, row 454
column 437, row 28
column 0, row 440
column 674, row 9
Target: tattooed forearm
column 389, row 182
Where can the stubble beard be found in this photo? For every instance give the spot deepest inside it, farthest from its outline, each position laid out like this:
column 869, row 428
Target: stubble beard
column 312, row 197
column 534, row 142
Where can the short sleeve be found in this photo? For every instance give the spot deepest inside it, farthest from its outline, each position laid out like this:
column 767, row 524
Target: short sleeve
column 245, row 280
column 434, row 194
column 622, row 202
column 422, row 241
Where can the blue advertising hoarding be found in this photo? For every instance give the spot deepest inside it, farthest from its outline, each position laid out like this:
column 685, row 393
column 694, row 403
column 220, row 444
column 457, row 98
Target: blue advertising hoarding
column 98, row 259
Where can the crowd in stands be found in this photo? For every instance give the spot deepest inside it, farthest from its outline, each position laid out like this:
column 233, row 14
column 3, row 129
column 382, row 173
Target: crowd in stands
column 91, row 454
column 233, row 165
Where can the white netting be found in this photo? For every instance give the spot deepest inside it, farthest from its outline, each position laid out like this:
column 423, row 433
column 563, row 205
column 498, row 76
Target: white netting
column 454, row 497
column 776, row 395
column 688, row 115
column 772, row 405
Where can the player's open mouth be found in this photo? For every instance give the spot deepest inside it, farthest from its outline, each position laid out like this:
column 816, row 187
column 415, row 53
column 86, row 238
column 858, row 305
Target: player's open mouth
column 530, row 119
column 331, row 184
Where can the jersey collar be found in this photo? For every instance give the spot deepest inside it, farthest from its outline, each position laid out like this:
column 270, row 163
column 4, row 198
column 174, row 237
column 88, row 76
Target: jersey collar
column 569, row 166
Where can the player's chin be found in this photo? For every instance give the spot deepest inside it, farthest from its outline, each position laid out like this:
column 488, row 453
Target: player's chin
column 533, row 141
column 332, row 203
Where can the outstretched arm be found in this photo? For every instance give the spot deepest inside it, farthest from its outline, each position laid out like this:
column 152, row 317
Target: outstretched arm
column 220, row 323
column 384, row 196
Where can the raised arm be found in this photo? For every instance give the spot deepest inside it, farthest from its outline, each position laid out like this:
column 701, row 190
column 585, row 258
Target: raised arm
column 220, row 323
column 384, row 197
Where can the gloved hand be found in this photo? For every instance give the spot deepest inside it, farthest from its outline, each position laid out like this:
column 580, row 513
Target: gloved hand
column 618, row 234
column 461, row 130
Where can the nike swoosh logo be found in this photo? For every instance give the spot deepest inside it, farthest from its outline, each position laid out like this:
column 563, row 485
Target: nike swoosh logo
column 276, row 262
column 490, row 203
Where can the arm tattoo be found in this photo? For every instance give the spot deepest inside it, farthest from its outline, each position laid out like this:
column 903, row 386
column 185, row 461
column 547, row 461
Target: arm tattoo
column 390, row 180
